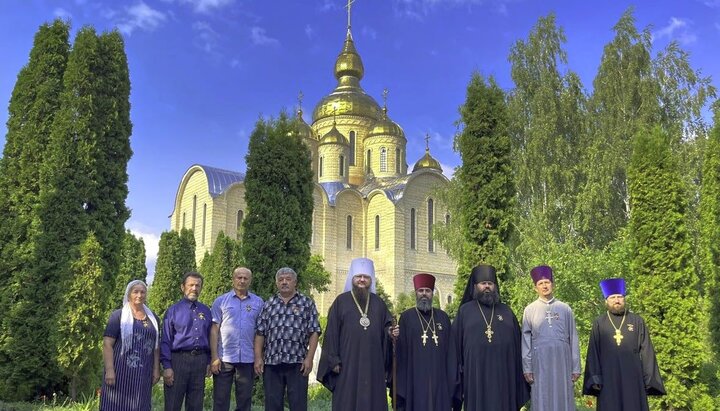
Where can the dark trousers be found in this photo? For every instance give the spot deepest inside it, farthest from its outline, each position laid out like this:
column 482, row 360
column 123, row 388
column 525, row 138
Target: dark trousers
column 242, row 375
column 276, row 378
column 189, row 381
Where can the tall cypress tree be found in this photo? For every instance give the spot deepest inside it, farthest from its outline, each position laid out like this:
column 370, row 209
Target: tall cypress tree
column 710, row 228
column 176, row 256
column 217, row 267
column 33, row 107
column 481, row 197
column 132, row 266
column 664, row 281
column 78, row 351
column 278, row 194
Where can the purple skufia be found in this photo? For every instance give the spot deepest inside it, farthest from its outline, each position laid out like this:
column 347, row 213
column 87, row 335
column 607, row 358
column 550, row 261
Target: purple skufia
column 612, row 286
column 541, row 272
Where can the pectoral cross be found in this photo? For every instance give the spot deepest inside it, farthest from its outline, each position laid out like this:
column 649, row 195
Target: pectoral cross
column 618, row 337
column 424, row 339
column 435, row 338
column 489, row 332
column 549, row 317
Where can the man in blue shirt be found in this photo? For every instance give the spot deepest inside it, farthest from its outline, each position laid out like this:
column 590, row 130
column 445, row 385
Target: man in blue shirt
column 185, row 348
column 231, row 342
column 286, row 338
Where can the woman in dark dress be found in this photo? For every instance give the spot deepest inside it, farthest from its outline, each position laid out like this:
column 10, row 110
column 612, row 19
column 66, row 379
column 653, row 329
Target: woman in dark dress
column 130, row 354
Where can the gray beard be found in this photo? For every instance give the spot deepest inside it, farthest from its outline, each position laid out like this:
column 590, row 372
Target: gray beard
column 487, row 298
column 361, row 294
column 423, row 304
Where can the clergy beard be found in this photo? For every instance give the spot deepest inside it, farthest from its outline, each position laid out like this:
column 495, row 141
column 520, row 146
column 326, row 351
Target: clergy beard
column 616, row 311
column 361, row 294
column 487, row 298
column 424, row 304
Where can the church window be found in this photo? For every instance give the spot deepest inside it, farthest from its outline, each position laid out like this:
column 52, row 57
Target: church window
column 194, row 212
column 397, row 161
column 238, row 222
column 348, row 235
column 320, row 169
column 202, row 238
column 413, row 229
column 430, row 212
column 368, row 167
column 449, row 299
column 377, row 232
column 383, row 159
column 183, row 220
column 342, row 166
column 352, row 148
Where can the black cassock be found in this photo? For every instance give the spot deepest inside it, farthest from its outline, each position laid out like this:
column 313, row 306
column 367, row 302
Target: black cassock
column 361, row 354
column 626, row 373
column 490, row 372
column 425, row 372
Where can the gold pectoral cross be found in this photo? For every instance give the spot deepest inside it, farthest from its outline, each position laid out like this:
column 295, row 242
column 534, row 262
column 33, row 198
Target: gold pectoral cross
column 489, row 332
column 435, row 338
column 424, row 339
column 618, row 337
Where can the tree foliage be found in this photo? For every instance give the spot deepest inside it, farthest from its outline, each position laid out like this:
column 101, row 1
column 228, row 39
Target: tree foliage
column 78, row 349
column 664, row 281
column 176, row 256
column 278, row 194
column 132, row 267
column 315, row 278
column 217, row 267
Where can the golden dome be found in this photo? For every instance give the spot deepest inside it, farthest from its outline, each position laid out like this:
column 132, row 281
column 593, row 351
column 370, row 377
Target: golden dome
column 303, row 129
column 348, row 97
column 334, row 136
column 427, row 162
column 386, row 127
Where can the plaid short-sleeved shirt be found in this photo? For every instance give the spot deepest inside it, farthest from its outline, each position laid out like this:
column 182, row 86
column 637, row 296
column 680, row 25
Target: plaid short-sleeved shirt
column 287, row 328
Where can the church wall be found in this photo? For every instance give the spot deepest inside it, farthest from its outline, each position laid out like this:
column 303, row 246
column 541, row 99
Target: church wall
column 417, row 192
column 330, row 153
column 384, row 256
column 196, row 186
column 345, row 124
column 376, row 144
column 227, row 220
column 348, row 203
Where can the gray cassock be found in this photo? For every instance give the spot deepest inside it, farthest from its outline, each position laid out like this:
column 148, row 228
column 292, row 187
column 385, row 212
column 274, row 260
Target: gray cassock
column 550, row 351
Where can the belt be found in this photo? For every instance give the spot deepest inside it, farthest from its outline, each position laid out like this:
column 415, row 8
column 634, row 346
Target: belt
column 195, row 351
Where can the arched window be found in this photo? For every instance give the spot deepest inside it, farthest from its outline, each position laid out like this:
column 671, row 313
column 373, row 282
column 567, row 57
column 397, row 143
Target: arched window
column 383, row 159
column 183, row 220
column 352, row 148
column 430, row 214
column 449, row 299
column 348, row 235
column 194, row 212
column 320, row 169
column 413, row 229
column 202, row 241
column 398, row 159
column 377, row 232
column 368, row 167
column 342, row 166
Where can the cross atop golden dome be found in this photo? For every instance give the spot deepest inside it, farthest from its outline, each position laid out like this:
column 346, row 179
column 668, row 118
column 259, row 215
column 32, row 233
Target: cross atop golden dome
column 427, row 161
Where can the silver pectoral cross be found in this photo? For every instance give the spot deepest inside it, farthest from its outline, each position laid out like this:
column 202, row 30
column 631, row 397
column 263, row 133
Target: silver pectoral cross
column 435, row 338
column 424, row 339
column 549, row 317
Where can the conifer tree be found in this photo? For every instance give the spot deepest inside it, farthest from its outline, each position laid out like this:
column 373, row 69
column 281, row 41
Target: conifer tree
column 710, row 228
column 664, row 282
column 78, row 349
column 132, row 267
column 315, row 278
column 481, row 196
column 278, row 194
column 218, row 266
column 34, row 102
column 176, row 256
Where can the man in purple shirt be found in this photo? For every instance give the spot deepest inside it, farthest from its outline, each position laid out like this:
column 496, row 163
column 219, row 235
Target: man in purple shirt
column 185, row 348
column 231, row 342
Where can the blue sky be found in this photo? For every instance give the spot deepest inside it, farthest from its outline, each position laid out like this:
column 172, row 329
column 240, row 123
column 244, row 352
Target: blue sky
column 203, row 71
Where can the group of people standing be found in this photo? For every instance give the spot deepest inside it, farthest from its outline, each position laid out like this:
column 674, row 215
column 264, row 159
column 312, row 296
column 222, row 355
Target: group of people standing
column 483, row 360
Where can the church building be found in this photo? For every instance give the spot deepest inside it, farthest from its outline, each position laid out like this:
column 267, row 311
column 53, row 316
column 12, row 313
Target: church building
column 366, row 203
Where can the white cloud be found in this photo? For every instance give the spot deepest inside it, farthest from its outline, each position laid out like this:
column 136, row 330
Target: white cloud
column 677, row 29
column 62, row 13
column 152, row 244
column 206, row 6
column 260, row 38
column 448, row 170
column 369, row 32
column 235, row 63
column 328, row 5
column 309, row 31
column 712, row 3
column 141, row 16
column 205, row 37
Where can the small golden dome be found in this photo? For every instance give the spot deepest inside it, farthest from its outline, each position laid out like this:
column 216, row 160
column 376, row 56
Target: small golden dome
column 303, row 129
column 334, row 136
column 427, row 162
column 386, row 127
column 348, row 62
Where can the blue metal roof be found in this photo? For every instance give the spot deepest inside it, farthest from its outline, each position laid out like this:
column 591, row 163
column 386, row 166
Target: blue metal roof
column 220, row 180
column 332, row 189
